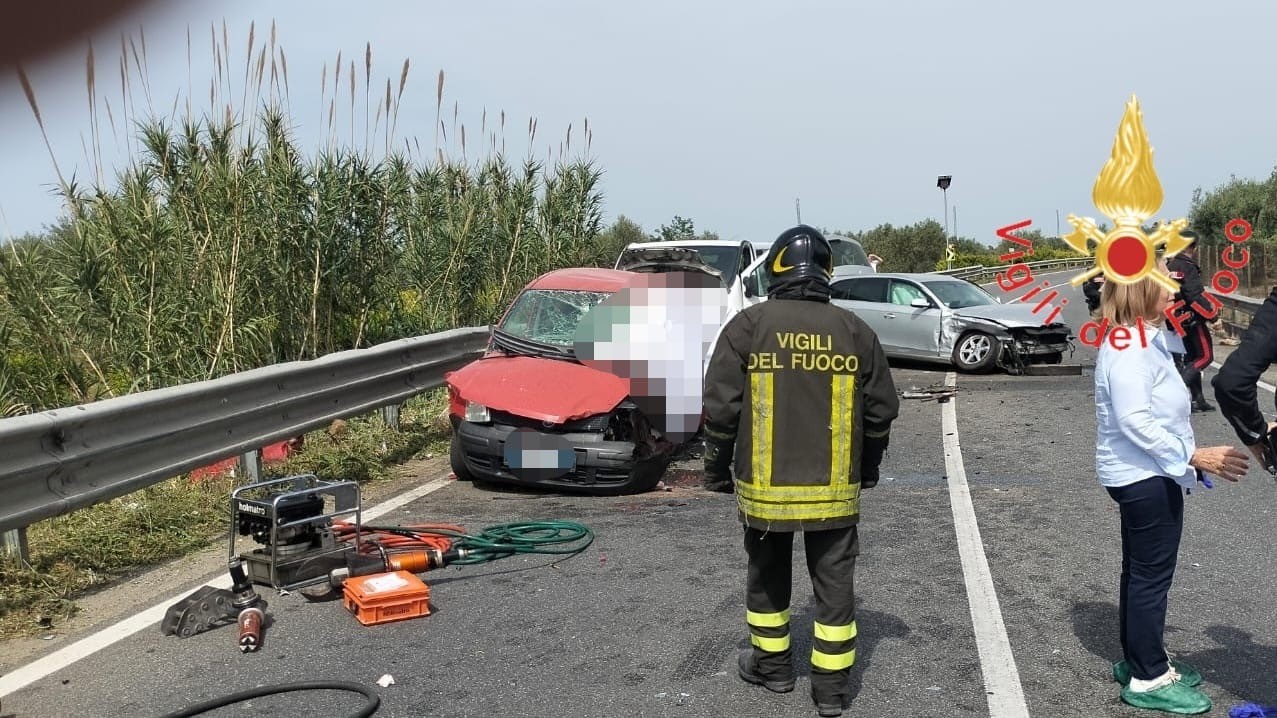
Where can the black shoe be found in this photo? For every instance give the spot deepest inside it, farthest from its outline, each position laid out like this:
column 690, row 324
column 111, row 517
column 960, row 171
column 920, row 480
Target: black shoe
column 1202, row 405
column 749, row 673
column 829, row 709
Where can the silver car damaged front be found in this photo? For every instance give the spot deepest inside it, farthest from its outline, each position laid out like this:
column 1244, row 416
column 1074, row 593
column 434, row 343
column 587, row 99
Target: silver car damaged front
column 1018, row 330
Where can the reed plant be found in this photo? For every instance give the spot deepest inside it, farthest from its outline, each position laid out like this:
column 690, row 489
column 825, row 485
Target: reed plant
column 223, row 244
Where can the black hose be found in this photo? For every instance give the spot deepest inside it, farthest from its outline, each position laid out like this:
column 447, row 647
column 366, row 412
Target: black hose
column 369, row 708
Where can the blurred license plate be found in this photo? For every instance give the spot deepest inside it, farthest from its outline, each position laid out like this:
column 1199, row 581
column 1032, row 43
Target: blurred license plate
column 534, row 455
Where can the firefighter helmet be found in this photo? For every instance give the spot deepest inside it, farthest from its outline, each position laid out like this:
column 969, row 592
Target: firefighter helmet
column 801, row 252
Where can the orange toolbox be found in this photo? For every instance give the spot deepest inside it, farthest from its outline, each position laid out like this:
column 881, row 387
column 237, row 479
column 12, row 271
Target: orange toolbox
column 386, row 597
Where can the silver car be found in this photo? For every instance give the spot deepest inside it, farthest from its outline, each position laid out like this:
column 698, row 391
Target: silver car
column 932, row 317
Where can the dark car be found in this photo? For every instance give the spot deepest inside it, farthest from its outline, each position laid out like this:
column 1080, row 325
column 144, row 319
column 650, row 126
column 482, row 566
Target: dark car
column 529, row 412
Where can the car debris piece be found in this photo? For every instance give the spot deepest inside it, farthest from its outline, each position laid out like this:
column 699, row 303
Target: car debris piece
column 939, row 392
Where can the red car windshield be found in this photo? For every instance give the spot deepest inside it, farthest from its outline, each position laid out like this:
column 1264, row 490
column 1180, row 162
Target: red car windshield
column 549, row 316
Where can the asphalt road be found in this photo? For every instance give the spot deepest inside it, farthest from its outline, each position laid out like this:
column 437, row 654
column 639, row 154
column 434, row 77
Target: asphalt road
column 647, row 621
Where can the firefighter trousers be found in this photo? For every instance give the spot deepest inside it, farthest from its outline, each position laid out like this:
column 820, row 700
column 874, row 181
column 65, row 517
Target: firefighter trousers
column 831, row 562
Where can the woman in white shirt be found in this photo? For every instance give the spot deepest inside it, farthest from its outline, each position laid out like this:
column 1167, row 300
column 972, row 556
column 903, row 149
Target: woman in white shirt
column 1146, row 458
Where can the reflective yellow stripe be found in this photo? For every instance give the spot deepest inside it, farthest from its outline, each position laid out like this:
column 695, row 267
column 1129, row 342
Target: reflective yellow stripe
column 767, row 620
column 842, row 400
column 833, row 661
column 768, row 511
column 771, row 645
column 761, row 446
column 842, row 492
column 835, row 633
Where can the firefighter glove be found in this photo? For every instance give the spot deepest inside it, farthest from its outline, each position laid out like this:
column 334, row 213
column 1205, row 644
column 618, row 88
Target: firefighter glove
column 874, row 448
column 718, row 460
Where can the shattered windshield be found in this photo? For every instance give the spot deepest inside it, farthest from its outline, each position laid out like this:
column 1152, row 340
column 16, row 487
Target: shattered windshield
column 957, row 295
column 549, row 316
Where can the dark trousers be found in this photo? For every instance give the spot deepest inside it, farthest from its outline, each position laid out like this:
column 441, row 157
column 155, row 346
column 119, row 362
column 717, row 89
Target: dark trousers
column 831, row 562
column 1152, row 513
column 1199, row 352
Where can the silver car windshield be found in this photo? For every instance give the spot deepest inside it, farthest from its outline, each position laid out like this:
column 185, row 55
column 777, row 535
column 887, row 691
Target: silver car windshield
column 957, row 295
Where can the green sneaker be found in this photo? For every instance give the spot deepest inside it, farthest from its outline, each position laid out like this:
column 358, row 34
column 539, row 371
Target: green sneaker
column 1174, row 697
column 1188, row 675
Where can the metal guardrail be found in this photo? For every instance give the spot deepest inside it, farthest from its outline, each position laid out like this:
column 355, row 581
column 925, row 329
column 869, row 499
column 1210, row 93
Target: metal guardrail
column 1237, row 312
column 58, row 461
column 980, row 271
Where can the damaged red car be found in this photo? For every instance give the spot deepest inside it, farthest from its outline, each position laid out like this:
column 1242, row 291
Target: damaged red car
column 529, row 412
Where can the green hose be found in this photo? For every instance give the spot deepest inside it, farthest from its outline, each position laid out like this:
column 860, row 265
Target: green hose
column 504, row 540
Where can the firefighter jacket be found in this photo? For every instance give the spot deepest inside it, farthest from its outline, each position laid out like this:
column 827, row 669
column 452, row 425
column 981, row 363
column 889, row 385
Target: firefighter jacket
column 795, row 386
column 1196, row 307
column 1236, row 387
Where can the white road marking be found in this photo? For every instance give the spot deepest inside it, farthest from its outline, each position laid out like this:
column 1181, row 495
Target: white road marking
column 997, row 663
column 26, row 675
column 1261, row 384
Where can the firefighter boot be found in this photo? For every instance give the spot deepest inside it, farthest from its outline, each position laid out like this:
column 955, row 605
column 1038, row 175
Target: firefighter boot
column 829, row 692
column 748, row 666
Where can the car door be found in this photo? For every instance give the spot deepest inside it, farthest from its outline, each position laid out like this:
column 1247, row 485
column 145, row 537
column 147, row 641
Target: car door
column 866, row 297
column 915, row 326
column 754, row 285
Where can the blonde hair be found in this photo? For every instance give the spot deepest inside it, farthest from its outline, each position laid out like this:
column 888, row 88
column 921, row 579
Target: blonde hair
column 1122, row 304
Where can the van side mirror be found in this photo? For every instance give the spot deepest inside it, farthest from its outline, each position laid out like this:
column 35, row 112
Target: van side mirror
column 749, row 287
column 920, row 303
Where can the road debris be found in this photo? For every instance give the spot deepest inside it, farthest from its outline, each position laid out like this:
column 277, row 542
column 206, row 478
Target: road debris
column 939, row 392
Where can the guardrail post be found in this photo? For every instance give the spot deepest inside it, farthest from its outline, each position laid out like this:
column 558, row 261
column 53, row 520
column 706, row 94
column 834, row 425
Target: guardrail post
column 390, row 415
column 14, row 544
column 250, row 465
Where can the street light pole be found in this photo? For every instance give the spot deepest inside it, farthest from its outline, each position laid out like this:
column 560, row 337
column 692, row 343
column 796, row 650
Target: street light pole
column 943, row 182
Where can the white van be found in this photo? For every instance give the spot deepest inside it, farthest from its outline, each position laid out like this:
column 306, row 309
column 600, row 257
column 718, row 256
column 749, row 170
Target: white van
column 740, row 265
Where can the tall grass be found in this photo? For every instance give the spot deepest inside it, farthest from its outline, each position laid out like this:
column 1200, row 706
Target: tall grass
column 224, row 245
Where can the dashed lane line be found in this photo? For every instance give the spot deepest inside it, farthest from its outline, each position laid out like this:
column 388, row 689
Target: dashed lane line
column 997, row 663
column 26, row 675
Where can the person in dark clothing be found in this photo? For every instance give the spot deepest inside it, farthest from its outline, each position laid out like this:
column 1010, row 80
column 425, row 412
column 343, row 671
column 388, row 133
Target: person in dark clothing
column 1091, row 290
column 1237, row 381
column 799, row 398
column 1196, row 311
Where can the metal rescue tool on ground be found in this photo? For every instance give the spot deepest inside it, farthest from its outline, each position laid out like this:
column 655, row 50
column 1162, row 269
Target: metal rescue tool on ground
column 309, row 536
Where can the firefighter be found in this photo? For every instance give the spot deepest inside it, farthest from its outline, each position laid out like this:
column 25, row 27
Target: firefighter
column 1199, row 350
column 799, row 393
column 1237, row 381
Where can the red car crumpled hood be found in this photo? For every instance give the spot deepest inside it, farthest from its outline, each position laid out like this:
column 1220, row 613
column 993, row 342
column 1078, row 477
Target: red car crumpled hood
column 544, row 389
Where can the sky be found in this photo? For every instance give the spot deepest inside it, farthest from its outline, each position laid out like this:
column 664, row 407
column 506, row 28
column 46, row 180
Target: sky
column 728, row 112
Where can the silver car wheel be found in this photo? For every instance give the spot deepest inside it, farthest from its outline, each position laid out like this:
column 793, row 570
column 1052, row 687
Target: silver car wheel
column 975, row 349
